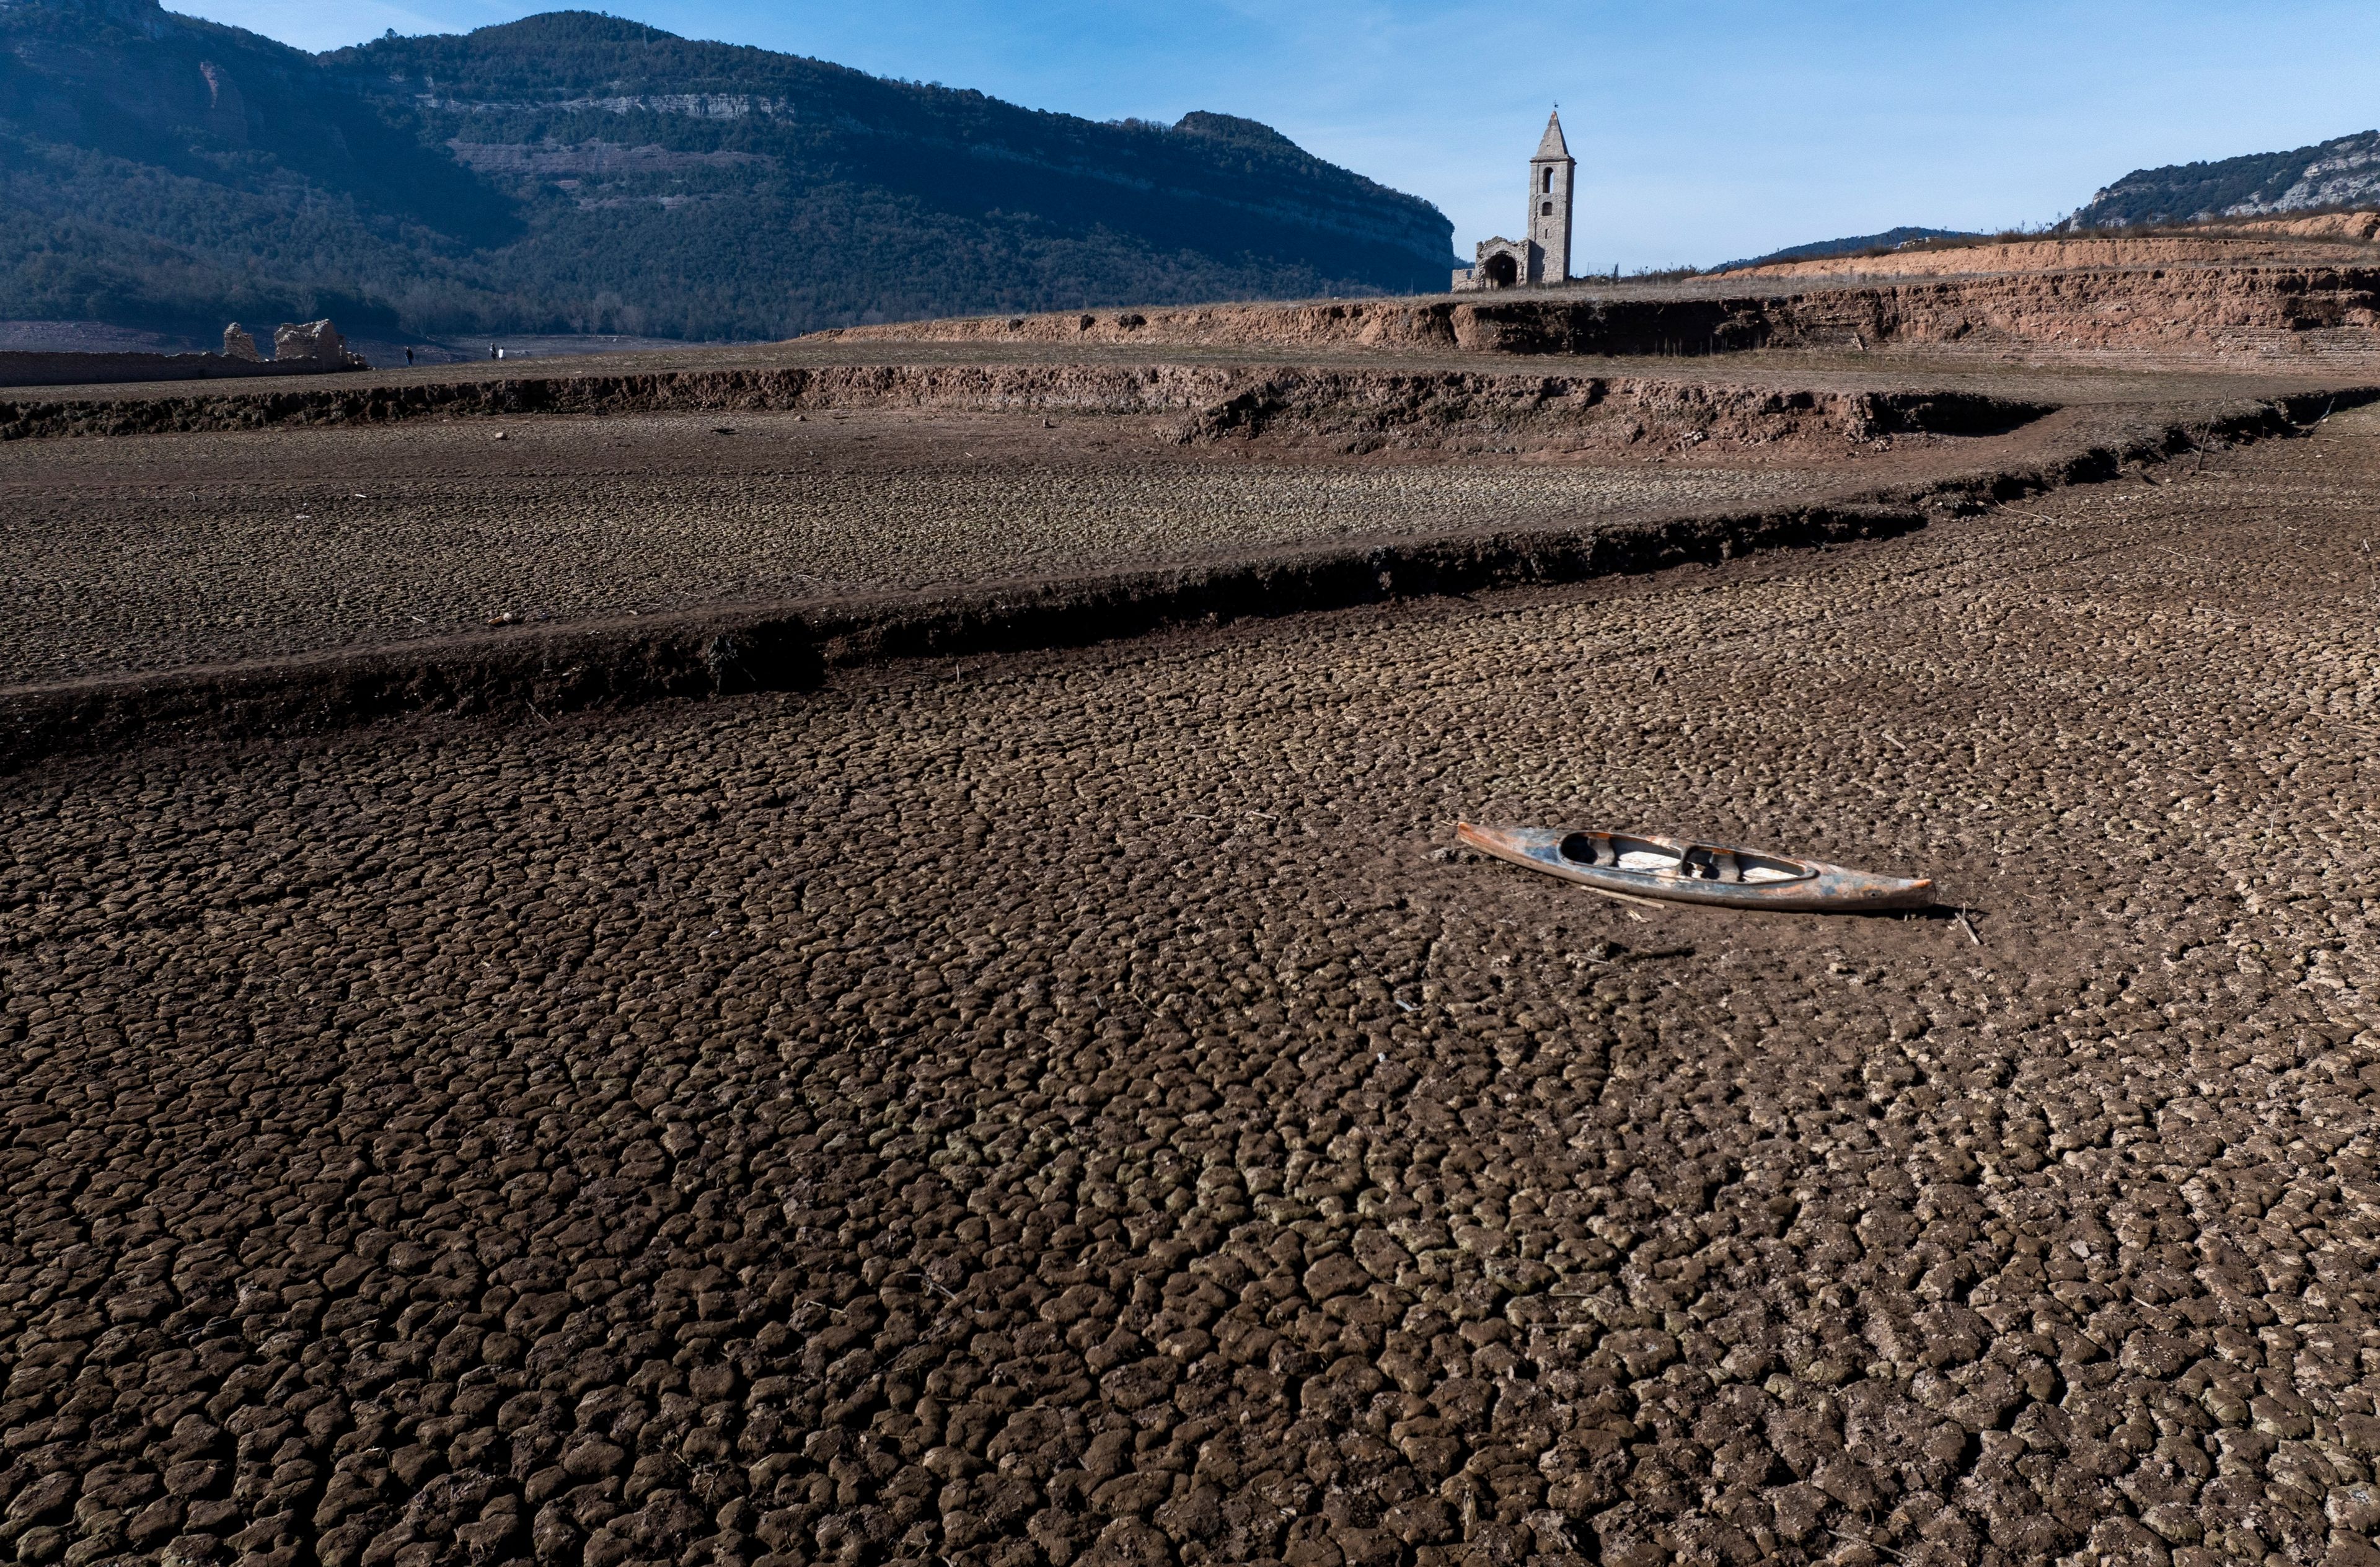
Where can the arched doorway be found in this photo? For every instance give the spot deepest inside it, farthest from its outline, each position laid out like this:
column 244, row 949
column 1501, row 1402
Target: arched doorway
column 1503, row 271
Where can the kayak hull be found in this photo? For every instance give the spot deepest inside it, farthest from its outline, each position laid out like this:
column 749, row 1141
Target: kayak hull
column 1678, row 870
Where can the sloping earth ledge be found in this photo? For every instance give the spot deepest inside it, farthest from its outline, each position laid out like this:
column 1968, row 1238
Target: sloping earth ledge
column 533, row 675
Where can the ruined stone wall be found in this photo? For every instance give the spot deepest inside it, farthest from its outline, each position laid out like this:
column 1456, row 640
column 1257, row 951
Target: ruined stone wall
column 17, row 368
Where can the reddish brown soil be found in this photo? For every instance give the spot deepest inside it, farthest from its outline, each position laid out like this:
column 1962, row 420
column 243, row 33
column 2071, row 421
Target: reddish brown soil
column 1466, row 409
column 1078, row 1108
column 2335, row 239
column 2279, row 312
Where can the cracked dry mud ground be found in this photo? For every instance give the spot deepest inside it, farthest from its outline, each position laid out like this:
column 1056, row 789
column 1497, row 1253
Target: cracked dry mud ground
column 1076, row 1108
column 149, row 552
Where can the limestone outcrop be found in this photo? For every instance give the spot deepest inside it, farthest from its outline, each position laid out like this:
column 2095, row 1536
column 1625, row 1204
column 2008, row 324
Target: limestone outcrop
column 239, row 345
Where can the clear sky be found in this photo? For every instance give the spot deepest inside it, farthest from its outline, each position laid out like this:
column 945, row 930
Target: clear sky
column 1704, row 133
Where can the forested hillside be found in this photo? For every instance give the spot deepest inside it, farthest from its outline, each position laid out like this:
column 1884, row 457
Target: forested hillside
column 1891, row 238
column 574, row 172
column 2340, row 172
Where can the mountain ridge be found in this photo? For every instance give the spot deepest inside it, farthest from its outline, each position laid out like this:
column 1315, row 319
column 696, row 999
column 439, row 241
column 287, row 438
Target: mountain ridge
column 575, row 171
column 1888, row 239
column 2341, row 172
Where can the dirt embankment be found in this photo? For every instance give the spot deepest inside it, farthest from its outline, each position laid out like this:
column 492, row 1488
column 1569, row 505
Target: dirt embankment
column 2360, row 226
column 1581, row 413
column 1442, row 409
column 2185, row 312
column 2254, row 245
column 2272, row 310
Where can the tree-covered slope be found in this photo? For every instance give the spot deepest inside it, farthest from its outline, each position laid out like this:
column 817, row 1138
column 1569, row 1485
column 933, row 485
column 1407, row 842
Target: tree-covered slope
column 1891, row 238
column 2334, row 174
column 573, row 171
column 156, row 169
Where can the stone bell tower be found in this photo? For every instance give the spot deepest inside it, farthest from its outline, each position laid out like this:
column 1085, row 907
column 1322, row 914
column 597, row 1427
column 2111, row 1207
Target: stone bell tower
column 1552, row 174
column 1543, row 258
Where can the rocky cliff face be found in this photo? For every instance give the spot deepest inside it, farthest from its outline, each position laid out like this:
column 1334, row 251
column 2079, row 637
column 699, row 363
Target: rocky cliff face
column 577, row 172
column 2341, row 173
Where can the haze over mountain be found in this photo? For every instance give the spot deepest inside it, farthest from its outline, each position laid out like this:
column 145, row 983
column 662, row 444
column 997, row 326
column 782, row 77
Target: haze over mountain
column 574, row 171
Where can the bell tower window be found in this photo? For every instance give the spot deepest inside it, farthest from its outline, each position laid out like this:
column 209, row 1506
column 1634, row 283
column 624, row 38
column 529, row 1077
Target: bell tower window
column 1549, row 182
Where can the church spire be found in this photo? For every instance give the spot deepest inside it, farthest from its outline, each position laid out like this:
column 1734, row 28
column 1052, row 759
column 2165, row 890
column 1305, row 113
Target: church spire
column 1553, row 178
column 1553, row 146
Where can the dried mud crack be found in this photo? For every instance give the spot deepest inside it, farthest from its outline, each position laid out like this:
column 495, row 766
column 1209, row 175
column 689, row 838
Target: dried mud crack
column 190, row 585
column 1078, row 1108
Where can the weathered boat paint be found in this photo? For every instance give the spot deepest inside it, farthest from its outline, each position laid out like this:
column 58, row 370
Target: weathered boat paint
column 1647, row 865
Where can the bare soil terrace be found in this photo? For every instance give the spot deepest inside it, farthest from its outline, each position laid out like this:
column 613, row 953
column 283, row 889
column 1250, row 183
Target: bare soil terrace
column 1077, row 1107
column 179, row 550
column 793, row 486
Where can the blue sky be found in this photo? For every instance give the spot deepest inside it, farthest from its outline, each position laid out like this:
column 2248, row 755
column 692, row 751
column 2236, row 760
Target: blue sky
column 1703, row 131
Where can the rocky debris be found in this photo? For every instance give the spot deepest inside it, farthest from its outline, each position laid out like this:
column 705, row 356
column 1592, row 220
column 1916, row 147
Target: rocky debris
column 1059, row 1112
column 239, row 345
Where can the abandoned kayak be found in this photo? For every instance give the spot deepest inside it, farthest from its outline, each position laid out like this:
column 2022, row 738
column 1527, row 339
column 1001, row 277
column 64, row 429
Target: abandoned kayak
column 1645, row 867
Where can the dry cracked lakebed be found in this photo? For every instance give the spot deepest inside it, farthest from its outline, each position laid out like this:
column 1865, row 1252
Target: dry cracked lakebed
column 1080, row 1107
column 142, row 554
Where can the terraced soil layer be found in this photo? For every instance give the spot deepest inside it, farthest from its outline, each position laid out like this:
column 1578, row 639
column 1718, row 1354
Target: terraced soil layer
column 1079, row 1107
column 270, row 581
column 1208, row 400
column 2269, row 310
column 2335, row 239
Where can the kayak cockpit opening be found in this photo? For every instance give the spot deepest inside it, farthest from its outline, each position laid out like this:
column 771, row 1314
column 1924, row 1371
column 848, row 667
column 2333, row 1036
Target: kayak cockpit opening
column 1587, row 848
column 1614, row 851
column 1640, row 856
column 1739, row 867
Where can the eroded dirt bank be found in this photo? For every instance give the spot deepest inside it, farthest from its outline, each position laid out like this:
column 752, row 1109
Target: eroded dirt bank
column 1068, row 1110
column 2286, row 311
column 2347, row 236
column 1211, row 401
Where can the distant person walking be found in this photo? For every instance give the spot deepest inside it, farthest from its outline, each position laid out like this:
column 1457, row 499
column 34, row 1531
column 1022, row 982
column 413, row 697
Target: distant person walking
column 409, row 356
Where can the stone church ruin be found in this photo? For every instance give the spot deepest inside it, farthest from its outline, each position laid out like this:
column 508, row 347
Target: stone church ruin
column 1544, row 256
column 312, row 348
